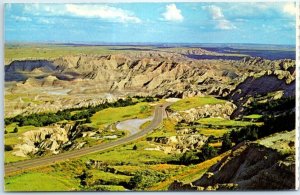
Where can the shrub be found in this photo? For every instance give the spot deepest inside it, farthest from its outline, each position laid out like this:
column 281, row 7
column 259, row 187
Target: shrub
column 15, row 130
column 207, row 152
column 226, row 143
column 134, row 147
column 8, row 148
column 146, row 178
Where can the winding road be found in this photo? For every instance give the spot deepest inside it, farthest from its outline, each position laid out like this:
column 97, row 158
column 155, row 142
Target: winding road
column 20, row 166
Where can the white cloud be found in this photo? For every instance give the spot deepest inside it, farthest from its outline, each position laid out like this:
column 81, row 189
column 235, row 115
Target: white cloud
column 45, row 21
column 172, row 13
column 21, row 19
column 216, row 12
column 224, row 24
column 102, row 12
column 290, row 8
column 84, row 11
column 217, row 15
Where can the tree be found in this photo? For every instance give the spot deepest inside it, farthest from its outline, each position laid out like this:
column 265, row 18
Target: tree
column 88, row 120
column 207, row 152
column 134, row 147
column 16, row 130
column 145, row 178
column 226, row 143
column 8, row 148
column 188, row 157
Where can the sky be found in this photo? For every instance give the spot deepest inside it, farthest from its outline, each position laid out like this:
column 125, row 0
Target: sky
column 197, row 22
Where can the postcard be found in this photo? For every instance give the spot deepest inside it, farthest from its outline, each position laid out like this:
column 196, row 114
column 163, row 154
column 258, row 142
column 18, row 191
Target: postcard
column 150, row 96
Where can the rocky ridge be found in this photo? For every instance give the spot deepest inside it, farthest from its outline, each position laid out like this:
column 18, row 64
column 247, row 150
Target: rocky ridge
column 145, row 73
column 268, row 163
column 223, row 110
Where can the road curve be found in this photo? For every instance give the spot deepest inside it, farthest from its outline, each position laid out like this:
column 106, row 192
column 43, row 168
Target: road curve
column 20, row 166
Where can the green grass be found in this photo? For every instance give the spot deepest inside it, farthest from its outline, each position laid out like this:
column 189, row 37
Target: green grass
column 112, row 115
column 253, row 116
column 194, row 176
column 9, row 157
column 30, row 51
column 127, row 156
column 52, row 51
column 107, row 177
column 112, row 188
column 193, row 102
column 167, row 129
column 13, row 139
column 35, row 181
column 283, row 142
column 225, row 122
column 214, row 132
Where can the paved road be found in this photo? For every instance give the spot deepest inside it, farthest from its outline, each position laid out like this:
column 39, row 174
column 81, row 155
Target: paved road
column 11, row 168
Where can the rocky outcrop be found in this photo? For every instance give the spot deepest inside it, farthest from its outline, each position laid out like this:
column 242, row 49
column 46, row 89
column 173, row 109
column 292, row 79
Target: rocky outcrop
column 261, row 86
column 46, row 138
column 266, row 164
column 223, row 110
column 164, row 73
column 179, row 144
column 52, row 139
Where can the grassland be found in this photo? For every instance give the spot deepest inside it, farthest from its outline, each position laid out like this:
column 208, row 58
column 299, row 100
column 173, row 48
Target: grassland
column 112, row 115
column 51, row 51
column 126, row 155
column 38, row 181
column 188, row 174
column 12, row 138
column 225, row 122
column 210, row 131
column 193, row 102
column 253, row 116
column 120, row 164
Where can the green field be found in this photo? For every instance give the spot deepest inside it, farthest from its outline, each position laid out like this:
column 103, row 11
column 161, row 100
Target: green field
column 253, row 116
column 193, row 102
column 13, row 138
column 49, row 51
column 211, row 131
column 117, row 166
column 126, row 155
column 52, row 51
column 225, row 122
column 37, row 181
column 112, row 115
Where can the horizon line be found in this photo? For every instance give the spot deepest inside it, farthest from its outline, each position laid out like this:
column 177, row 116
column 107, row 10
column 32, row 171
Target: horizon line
column 136, row 43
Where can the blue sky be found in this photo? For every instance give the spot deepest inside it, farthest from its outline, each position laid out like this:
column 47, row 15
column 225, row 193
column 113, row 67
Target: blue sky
column 268, row 23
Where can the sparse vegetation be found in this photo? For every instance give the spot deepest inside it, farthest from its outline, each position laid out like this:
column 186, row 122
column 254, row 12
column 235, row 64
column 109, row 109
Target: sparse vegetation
column 193, row 102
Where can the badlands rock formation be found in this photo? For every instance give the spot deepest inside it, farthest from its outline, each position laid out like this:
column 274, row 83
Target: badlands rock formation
column 268, row 163
column 160, row 74
column 223, row 110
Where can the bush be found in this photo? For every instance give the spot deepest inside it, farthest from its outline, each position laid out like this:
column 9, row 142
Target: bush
column 146, row 178
column 189, row 157
column 134, row 147
column 8, row 148
column 207, row 152
column 15, row 130
column 226, row 143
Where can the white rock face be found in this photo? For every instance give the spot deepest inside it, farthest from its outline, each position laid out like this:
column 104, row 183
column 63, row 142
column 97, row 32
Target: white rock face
column 216, row 110
column 180, row 144
column 48, row 138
